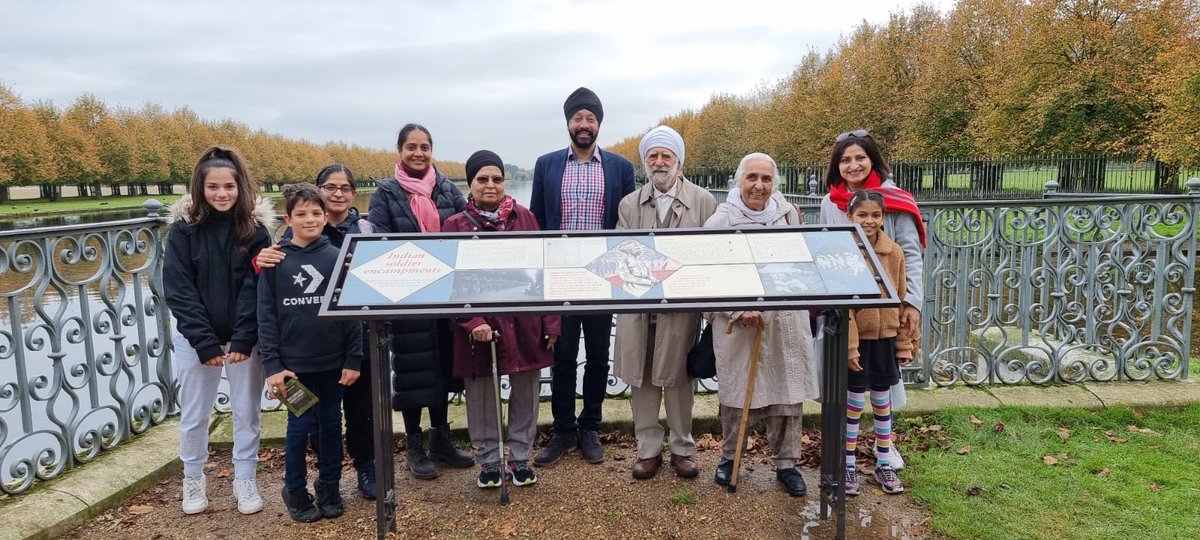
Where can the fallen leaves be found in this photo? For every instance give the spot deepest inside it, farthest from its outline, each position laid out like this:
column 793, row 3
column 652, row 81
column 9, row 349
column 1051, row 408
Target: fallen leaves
column 1155, row 487
column 1112, row 437
column 1103, row 473
column 1058, row 459
column 975, row 421
column 999, row 427
column 1143, row 431
column 224, row 473
column 1064, row 434
column 140, row 509
column 964, row 450
column 974, row 491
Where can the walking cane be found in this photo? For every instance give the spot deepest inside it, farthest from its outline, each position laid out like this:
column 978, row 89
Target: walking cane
column 741, row 440
column 499, row 421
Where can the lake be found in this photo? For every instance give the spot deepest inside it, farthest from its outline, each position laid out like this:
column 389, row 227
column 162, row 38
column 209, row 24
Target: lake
column 521, row 191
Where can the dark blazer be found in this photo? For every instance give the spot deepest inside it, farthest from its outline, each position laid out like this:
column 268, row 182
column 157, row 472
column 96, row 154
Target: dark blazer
column 546, row 200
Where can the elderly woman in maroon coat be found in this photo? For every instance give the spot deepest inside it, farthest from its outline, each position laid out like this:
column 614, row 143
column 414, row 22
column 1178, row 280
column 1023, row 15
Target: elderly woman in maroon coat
column 525, row 343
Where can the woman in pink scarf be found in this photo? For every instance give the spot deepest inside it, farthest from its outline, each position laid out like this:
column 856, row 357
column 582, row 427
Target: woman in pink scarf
column 419, row 200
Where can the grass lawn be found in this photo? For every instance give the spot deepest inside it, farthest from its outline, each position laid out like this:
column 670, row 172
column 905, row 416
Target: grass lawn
column 28, row 207
column 1020, row 472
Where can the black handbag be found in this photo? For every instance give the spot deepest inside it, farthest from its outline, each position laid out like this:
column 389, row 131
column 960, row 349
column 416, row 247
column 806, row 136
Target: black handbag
column 702, row 359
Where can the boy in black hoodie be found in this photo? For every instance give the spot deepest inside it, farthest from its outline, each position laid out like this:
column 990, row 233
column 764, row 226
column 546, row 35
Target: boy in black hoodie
column 325, row 356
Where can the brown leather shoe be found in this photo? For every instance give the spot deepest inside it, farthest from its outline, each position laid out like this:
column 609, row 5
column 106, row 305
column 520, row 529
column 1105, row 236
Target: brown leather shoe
column 646, row 468
column 684, row 466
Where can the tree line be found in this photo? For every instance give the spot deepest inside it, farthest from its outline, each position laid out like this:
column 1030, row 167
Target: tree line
column 989, row 79
column 93, row 146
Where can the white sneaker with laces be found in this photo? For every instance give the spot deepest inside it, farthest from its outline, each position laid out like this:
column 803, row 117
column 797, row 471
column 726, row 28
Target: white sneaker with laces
column 195, row 500
column 894, row 458
column 246, row 491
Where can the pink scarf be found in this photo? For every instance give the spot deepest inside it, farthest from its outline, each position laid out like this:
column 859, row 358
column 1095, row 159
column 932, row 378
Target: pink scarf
column 419, row 191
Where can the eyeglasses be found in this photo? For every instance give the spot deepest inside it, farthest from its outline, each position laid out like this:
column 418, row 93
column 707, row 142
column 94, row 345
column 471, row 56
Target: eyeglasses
column 857, row 134
column 489, row 180
column 331, row 189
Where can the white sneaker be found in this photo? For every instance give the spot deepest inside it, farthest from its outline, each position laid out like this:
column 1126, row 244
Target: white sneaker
column 246, row 491
column 894, row 458
column 195, row 500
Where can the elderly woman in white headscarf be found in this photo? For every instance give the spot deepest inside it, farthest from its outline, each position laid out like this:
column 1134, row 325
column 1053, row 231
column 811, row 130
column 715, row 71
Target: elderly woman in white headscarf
column 787, row 372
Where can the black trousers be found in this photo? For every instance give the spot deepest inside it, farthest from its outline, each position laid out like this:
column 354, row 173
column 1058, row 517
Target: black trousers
column 596, row 330
column 356, row 405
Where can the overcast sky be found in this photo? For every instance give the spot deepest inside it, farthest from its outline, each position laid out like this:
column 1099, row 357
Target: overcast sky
column 478, row 74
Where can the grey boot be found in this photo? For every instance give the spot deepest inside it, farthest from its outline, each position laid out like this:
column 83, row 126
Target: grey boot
column 442, row 449
column 418, row 460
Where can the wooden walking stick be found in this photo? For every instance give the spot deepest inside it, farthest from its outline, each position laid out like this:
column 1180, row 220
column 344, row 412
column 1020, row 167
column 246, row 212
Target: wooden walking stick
column 741, row 437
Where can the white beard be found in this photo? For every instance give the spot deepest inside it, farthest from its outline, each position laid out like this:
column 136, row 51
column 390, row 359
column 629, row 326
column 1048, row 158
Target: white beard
column 663, row 180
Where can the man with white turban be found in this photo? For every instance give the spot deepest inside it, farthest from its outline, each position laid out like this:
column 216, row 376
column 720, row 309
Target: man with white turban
column 651, row 350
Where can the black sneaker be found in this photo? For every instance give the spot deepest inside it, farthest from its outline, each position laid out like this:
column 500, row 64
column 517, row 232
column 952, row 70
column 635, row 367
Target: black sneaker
column 559, row 445
column 329, row 499
column 489, row 475
column 366, row 480
column 300, row 505
column 792, row 481
column 521, row 474
column 724, row 472
column 589, row 446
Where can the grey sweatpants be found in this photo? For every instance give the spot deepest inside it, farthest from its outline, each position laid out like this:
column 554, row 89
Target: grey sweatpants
column 783, row 431
column 522, row 416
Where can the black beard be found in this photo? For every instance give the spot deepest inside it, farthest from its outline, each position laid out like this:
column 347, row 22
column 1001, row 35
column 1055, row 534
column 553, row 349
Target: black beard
column 581, row 144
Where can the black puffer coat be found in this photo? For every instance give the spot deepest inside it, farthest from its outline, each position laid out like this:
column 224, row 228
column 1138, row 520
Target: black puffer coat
column 422, row 349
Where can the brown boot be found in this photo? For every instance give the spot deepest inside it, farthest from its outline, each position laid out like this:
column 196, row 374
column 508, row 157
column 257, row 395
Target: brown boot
column 684, row 466
column 647, row 468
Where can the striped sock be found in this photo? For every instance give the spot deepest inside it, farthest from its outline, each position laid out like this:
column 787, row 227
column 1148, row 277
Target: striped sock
column 881, row 404
column 855, row 402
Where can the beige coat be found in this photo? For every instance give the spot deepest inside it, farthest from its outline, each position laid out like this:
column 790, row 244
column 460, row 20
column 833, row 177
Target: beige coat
column 674, row 332
column 787, row 367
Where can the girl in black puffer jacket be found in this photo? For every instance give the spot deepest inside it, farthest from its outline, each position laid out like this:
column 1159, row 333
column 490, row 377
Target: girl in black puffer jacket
column 210, row 288
column 419, row 200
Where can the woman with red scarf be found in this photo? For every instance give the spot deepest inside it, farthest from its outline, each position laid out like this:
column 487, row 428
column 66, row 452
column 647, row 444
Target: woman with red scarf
column 857, row 164
column 419, row 200
column 525, row 344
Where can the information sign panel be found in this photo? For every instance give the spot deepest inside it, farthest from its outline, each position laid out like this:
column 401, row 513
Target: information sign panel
column 455, row 274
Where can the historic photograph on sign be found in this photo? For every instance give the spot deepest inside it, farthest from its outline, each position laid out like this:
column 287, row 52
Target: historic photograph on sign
column 472, row 286
column 495, row 253
column 705, row 248
column 573, row 252
column 713, row 281
column 633, row 266
column 791, row 278
column 841, row 263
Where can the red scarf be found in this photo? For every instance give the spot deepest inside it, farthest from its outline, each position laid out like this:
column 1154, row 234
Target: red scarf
column 895, row 199
column 503, row 211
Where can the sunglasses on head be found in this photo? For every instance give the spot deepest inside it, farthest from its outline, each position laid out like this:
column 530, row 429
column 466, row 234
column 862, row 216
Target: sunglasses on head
column 857, row 134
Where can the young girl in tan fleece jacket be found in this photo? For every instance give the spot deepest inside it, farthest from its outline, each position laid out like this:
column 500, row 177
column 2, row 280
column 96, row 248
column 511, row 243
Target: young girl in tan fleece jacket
column 877, row 347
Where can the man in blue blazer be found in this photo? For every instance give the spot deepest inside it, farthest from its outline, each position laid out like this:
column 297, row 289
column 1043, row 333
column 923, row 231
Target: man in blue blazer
column 579, row 188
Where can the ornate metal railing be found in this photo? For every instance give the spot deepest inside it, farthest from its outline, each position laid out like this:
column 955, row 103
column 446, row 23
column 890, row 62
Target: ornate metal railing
column 1060, row 290
column 84, row 356
column 1057, row 290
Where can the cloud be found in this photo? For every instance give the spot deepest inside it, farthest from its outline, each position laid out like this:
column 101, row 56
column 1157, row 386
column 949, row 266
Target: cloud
column 477, row 74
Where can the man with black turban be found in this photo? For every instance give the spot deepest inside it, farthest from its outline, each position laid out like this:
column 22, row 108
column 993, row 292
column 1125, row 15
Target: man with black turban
column 579, row 188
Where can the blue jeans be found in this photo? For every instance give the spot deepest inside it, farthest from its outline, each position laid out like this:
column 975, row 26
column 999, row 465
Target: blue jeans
column 596, row 332
column 328, row 414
